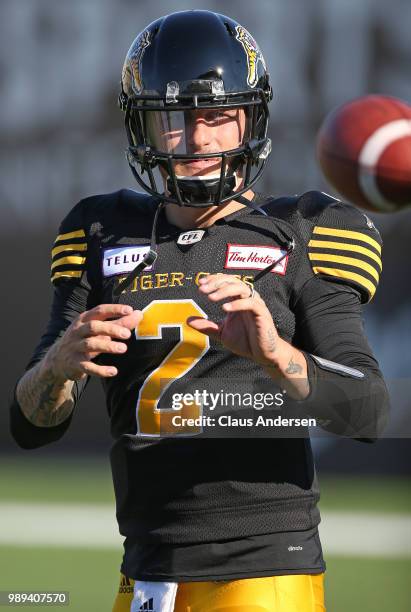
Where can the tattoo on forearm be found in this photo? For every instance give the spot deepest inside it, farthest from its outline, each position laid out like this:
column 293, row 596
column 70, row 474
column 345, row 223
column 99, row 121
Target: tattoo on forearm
column 44, row 401
column 293, row 368
column 272, row 340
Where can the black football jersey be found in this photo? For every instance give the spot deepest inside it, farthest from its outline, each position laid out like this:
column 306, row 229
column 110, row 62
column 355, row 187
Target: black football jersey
column 189, row 487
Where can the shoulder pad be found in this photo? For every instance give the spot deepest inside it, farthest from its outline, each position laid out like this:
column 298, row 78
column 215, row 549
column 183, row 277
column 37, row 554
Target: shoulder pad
column 300, row 211
column 345, row 247
column 110, row 208
column 313, row 203
column 85, row 220
column 130, row 198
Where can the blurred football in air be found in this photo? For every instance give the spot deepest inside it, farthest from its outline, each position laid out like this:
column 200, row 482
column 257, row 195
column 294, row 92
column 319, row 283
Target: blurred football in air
column 364, row 150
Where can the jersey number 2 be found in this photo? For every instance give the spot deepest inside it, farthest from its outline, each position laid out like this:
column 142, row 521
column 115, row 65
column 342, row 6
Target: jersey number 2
column 193, row 345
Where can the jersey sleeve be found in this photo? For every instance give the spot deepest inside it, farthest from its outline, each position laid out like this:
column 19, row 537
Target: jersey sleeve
column 72, row 295
column 348, row 393
column 345, row 247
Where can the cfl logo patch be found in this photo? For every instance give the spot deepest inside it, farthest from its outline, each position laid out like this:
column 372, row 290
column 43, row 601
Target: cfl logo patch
column 190, row 237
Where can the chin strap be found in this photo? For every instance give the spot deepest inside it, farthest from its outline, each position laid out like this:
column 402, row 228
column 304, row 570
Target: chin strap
column 250, row 204
column 286, row 241
column 148, row 259
column 263, row 272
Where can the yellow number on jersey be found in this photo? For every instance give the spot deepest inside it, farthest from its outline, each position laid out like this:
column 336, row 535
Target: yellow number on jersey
column 159, row 314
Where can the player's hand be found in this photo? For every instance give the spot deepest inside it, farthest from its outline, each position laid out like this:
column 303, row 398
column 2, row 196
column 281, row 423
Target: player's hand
column 90, row 335
column 248, row 328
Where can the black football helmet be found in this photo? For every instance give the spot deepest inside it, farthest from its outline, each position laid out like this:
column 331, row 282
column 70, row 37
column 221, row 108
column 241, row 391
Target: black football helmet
column 192, row 62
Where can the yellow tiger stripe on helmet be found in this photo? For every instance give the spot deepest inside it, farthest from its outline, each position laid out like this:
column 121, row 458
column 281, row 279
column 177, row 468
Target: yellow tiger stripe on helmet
column 73, row 259
column 358, row 278
column 76, row 234
column 69, row 273
column 324, row 244
column 350, row 261
column 69, row 247
column 340, row 233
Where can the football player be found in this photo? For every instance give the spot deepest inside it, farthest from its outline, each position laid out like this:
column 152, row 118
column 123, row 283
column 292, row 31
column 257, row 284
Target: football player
column 202, row 285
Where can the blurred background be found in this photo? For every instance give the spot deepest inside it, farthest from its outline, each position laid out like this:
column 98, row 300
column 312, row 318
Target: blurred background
column 62, row 139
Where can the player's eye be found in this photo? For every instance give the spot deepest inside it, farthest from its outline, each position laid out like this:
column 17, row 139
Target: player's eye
column 220, row 114
column 216, row 114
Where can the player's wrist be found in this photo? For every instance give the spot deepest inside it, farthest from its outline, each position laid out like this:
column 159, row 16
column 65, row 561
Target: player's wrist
column 288, row 367
column 271, row 360
column 51, row 367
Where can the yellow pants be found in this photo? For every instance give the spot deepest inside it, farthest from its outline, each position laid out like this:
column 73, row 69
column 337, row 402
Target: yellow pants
column 293, row 593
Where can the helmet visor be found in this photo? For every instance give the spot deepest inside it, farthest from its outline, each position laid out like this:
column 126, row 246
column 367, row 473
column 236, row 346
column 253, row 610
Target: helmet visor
column 197, row 131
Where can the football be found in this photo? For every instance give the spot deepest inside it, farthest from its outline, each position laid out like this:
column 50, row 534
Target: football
column 364, row 150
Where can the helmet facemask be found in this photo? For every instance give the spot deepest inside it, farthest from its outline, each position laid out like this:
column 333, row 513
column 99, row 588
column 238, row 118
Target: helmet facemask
column 163, row 133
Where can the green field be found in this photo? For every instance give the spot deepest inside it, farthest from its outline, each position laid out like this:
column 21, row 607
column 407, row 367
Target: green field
column 354, row 584
column 89, row 480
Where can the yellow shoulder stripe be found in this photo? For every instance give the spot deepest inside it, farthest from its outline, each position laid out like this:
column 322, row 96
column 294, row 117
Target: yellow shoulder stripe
column 358, row 278
column 69, row 273
column 341, row 246
column 73, row 259
column 350, row 261
column 77, row 234
column 69, row 247
column 340, row 233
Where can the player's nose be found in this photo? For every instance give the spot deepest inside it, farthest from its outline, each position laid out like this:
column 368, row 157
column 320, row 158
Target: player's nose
column 199, row 135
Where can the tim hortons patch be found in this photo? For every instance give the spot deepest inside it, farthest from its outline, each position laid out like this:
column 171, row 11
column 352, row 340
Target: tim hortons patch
column 255, row 257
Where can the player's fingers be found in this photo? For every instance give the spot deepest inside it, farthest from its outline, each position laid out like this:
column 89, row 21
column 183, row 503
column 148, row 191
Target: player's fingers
column 92, row 369
column 238, row 289
column 120, row 328
column 249, row 304
column 105, row 328
column 205, row 326
column 214, row 282
column 212, row 278
column 106, row 311
column 101, row 344
column 132, row 320
column 93, row 355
